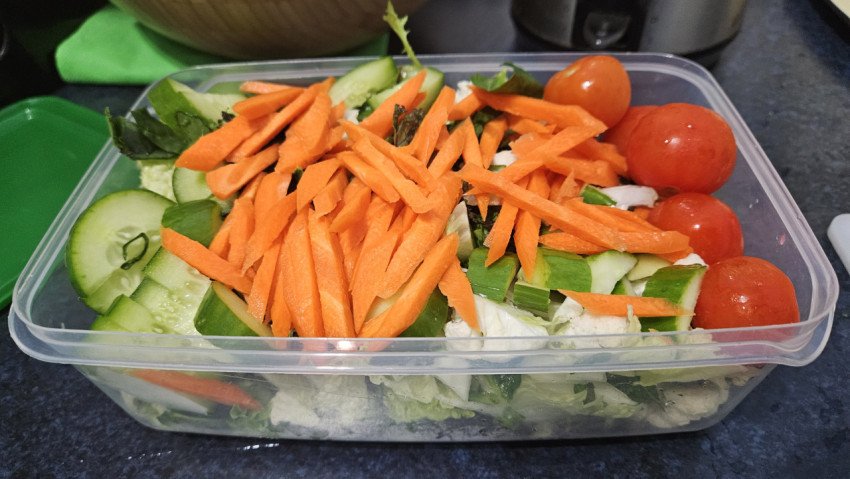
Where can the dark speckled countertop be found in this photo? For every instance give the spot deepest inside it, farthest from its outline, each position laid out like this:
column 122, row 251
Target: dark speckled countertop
column 788, row 74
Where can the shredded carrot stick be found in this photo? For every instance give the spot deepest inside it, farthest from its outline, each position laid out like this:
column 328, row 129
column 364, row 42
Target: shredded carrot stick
column 243, row 228
column 331, row 195
column 221, row 241
column 527, row 228
column 537, row 109
column 465, row 108
column 594, row 172
column 332, row 283
column 606, row 215
column 204, row 260
column 250, row 190
column 471, row 151
column 407, row 189
column 491, row 137
column 314, row 180
column 301, row 291
column 261, row 87
column 500, row 234
column 456, row 287
column 272, row 189
column 307, row 137
column 280, row 315
column 569, row 188
column 267, row 103
column 604, row 152
column 618, row 304
column 371, row 177
column 449, row 154
column 228, row 179
column 211, row 149
column 524, row 126
column 380, row 122
column 373, row 265
column 570, row 243
column 413, row 297
column 355, row 207
column 267, row 229
column 258, row 298
column 378, row 220
column 425, row 139
column 422, row 235
column 207, row 388
column 441, row 139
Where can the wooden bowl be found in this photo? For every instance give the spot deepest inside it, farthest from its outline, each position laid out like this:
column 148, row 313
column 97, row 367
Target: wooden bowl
column 262, row 29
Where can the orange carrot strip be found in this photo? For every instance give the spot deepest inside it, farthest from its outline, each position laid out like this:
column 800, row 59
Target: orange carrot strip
column 471, row 151
column 267, row 103
column 569, row 188
column 380, row 122
column 250, row 190
column 373, row 178
column 656, row 242
column 554, row 214
column 642, row 212
column 526, row 125
column 314, row 180
column 491, row 137
column 374, row 264
column 455, row 286
column 261, row 87
column 527, row 228
column 354, row 209
column 604, row 152
column 676, row 255
column 351, row 242
column 204, row 260
column 618, row 304
column 500, row 234
column 267, row 229
column 408, row 216
column 207, row 388
column 330, row 277
column 276, row 124
column 595, row 172
column 465, row 108
column 221, row 241
column 307, row 137
column 331, row 195
column 537, row 109
column 258, row 298
column 335, row 141
column 228, row 179
column 570, row 243
column 407, row 190
column 413, row 297
column 378, row 220
column 272, row 189
column 211, row 149
column 301, row 291
column 441, row 139
column 449, row 154
column 629, row 216
column 606, row 215
column 280, row 315
column 422, row 235
column 425, row 139
column 408, row 164
column 243, row 228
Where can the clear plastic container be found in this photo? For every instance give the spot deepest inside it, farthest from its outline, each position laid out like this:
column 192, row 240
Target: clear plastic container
column 404, row 389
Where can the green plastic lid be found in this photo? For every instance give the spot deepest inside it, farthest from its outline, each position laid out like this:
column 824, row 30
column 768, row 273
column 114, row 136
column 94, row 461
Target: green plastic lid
column 46, row 144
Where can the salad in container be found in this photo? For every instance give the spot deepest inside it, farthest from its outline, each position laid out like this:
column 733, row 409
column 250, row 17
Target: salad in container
column 451, row 248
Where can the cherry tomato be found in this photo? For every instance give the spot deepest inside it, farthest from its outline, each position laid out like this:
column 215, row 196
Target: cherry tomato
column 713, row 227
column 681, row 147
column 745, row 291
column 597, row 83
column 620, row 133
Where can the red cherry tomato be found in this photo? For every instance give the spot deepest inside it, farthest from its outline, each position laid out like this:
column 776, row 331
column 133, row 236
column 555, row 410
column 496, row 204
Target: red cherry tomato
column 681, row 147
column 745, row 291
column 713, row 227
column 597, row 83
column 620, row 133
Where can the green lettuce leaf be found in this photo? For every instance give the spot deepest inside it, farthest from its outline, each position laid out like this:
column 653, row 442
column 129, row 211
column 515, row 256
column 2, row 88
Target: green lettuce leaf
column 510, row 79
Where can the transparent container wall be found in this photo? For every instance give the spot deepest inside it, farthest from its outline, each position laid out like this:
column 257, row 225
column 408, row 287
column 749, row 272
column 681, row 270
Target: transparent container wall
column 478, row 407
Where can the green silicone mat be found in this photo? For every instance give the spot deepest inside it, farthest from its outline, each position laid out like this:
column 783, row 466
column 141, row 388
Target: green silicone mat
column 46, row 144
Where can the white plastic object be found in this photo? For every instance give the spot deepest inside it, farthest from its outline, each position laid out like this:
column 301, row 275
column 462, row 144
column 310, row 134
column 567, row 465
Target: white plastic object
column 839, row 235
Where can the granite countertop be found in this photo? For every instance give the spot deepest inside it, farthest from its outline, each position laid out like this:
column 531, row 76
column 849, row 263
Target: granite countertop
column 788, row 74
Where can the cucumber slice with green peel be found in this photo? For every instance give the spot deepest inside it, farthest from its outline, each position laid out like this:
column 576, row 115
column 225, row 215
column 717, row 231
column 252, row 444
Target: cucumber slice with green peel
column 624, row 287
column 190, row 185
column 112, row 241
column 646, row 266
column 678, row 284
column 128, row 316
column 171, row 98
column 118, row 283
column 198, row 220
column 173, row 309
column 431, row 87
column 356, row 86
column 491, row 281
column 592, row 195
column 560, row 270
column 223, row 313
column 432, row 319
column 175, row 274
column 531, row 297
column 459, row 223
column 607, row 268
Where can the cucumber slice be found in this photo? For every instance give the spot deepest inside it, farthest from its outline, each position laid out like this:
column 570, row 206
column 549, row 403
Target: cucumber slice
column 592, row 195
column 175, row 274
column 126, row 315
column 679, row 284
column 431, row 320
column 198, row 220
column 95, row 252
column 356, row 86
column 222, row 313
column 190, row 185
column 624, row 287
column 169, row 97
column 607, row 268
column 430, row 87
column 459, row 223
column 531, row 297
column 646, row 266
column 173, row 309
column 560, row 270
column 491, row 281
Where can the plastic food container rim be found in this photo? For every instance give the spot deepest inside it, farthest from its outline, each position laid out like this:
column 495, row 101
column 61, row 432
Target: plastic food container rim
column 792, row 344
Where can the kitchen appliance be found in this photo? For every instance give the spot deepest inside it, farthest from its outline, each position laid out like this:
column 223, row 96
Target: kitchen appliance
column 696, row 28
